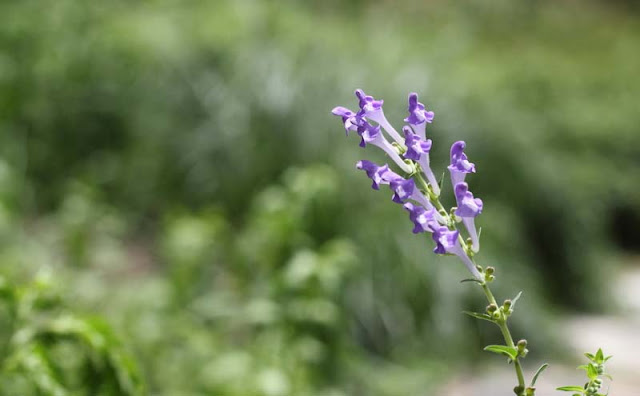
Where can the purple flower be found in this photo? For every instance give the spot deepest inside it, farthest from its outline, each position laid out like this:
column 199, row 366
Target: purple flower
column 447, row 242
column 378, row 174
column 418, row 116
column 349, row 118
column 372, row 109
column 416, row 146
column 468, row 208
column 372, row 135
column 405, row 189
column 460, row 166
column 420, row 217
column 418, row 150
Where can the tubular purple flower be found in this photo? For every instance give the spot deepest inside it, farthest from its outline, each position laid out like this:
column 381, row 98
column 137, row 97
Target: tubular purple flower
column 349, row 118
column 378, row 174
column 460, row 166
column 372, row 135
column 447, row 242
column 405, row 189
column 468, row 208
column 372, row 109
column 418, row 116
column 418, row 150
column 420, row 217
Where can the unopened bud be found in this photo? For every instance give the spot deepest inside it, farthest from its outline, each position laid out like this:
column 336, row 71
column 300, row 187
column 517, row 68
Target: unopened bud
column 490, row 270
column 491, row 308
column 518, row 390
column 507, row 304
column 522, row 348
column 530, row 391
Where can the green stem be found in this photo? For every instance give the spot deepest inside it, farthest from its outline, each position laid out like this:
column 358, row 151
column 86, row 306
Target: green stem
column 504, row 329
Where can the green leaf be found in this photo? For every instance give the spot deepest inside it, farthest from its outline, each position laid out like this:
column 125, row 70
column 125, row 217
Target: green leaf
column 477, row 315
column 510, row 352
column 471, row 280
column 590, row 356
column 599, row 356
column 535, row 376
column 571, row 389
column 592, row 372
column 608, row 357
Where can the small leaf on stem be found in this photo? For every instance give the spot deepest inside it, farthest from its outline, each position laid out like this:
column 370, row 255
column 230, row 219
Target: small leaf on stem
column 571, row 389
column 477, row 315
column 510, row 352
column 535, row 376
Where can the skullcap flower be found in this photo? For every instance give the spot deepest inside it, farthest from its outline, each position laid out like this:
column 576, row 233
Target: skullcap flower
column 372, row 109
column 459, row 166
column 418, row 150
column 372, row 135
column 447, row 242
column 420, row 217
column 349, row 118
column 405, row 189
column 378, row 174
column 418, row 116
column 468, row 208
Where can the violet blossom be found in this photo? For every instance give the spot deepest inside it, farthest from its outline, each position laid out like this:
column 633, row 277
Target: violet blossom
column 378, row 174
column 420, row 217
column 460, row 165
column 447, row 241
column 349, row 118
column 418, row 150
column 372, row 135
column 405, row 189
column 372, row 109
column 468, row 208
column 418, row 116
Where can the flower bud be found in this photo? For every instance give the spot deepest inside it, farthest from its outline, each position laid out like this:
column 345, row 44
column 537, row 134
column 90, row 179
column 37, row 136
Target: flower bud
column 530, row 392
column 522, row 348
column 507, row 304
column 491, row 308
column 518, row 390
column 490, row 270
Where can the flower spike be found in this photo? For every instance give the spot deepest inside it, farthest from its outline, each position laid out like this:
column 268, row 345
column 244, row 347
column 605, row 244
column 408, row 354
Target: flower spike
column 418, row 116
column 468, row 208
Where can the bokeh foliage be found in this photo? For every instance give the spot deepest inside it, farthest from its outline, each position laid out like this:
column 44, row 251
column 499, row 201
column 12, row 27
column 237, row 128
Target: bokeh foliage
column 174, row 165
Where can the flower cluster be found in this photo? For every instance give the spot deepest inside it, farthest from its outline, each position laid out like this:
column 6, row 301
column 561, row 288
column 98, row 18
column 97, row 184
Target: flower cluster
column 418, row 191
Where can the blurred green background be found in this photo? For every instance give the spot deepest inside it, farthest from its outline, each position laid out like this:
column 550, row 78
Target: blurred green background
column 172, row 170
